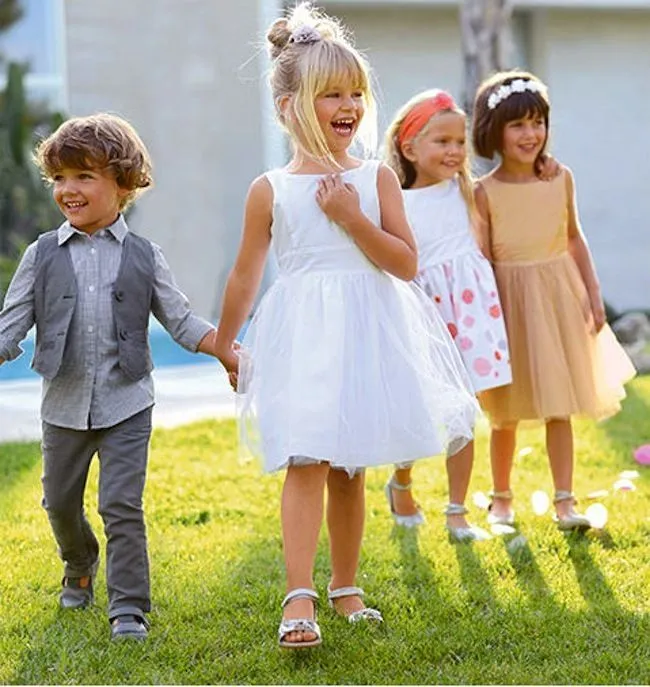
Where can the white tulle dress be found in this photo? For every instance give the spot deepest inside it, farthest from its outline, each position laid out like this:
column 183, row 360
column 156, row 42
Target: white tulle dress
column 342, row 362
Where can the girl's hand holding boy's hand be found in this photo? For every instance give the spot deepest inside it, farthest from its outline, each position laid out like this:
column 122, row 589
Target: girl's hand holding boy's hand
column 230, row 360
column 338, row 200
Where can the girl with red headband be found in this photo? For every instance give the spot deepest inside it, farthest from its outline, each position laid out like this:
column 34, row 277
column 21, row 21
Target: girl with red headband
column 565, row 359
column 425, row 145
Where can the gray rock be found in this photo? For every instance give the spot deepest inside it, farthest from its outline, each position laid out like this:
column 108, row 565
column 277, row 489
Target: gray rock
column 632, row 328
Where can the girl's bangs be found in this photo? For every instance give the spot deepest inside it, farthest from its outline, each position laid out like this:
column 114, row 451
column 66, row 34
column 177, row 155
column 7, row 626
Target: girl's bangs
column 344, row 68
column 524, row 106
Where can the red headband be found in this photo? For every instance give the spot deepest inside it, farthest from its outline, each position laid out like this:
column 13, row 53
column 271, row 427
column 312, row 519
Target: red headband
column 416, row 119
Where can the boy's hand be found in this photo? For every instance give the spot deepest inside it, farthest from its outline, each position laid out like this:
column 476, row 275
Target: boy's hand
column 547, row 167
column 338, row 200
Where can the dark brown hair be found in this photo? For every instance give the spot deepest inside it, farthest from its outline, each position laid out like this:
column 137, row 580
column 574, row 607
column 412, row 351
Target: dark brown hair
column 489, row 123
column 103, row 142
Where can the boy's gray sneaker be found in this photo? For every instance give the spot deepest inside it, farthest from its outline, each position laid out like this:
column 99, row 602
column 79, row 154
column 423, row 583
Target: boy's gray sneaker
column 76, row 592
column 129, row 627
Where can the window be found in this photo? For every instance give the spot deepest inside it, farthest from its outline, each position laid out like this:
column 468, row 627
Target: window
column 37, row 39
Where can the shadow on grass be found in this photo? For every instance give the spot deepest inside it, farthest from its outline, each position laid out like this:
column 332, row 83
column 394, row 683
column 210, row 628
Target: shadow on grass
column 221, row 628
column 16, row 459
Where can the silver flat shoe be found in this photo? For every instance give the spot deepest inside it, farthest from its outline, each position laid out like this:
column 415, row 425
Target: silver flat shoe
column 572, row 521
column 299, row 624
column 402, row 520
column 370, row 614
column 509, row 517
column 464, row 534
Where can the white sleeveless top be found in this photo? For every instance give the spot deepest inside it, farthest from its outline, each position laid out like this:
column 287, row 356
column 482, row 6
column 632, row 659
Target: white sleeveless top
column 440, row 221
column 304, row 239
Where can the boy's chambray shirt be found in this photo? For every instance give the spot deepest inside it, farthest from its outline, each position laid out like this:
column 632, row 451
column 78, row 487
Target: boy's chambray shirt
column 90, row 391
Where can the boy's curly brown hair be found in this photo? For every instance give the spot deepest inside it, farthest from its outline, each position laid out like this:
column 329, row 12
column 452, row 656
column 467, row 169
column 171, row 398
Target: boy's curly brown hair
column 103, row 142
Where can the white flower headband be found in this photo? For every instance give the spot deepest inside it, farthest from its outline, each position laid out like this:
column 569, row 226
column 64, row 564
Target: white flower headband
column 305, row 34
column 516, row 86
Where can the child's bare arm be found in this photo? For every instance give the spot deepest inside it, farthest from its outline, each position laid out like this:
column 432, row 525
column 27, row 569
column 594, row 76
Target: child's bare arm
column 246, row 275
column 582, row 255
column 482, row 222
column 391, row 246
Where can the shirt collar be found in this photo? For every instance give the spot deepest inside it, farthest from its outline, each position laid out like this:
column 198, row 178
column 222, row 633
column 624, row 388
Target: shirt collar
column 118, row 230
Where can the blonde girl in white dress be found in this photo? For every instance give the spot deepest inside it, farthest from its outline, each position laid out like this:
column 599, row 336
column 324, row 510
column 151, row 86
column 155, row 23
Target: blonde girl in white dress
column 344, row 365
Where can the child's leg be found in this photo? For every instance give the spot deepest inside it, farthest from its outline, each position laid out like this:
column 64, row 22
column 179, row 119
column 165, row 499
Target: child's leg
column 345, row 520
column 459, row 471
column 502, row 451
column 559, row 445
column 66, row 459
column 123, row 453
column 302, row 515
column 402, row 499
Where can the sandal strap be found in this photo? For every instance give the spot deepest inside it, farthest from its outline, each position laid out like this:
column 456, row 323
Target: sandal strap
column 506, row 494
column 394, row 484
column 562, row 495
column 455, row 509
column 299, row 593
column 365, row 614
column 298, row 625
column 344, row 591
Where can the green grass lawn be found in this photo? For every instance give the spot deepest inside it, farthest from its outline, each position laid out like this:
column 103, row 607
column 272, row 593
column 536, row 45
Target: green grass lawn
column 557, row 609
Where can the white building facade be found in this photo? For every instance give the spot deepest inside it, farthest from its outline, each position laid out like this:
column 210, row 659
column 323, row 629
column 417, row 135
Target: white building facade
column 190, row 75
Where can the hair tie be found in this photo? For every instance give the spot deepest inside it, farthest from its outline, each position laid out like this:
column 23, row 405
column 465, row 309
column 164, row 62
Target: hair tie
column 421, row 113
column 304, row 34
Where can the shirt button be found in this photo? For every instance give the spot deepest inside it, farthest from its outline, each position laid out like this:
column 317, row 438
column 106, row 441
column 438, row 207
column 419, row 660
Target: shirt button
column 91, row 288
column 90, row 328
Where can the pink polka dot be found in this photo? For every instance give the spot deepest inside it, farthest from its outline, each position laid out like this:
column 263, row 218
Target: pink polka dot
column 482, row 367
column 465, row 343
column 468, row 321
column 453, row 329
column 495, row 311
column 467, row 296
column 493, row 294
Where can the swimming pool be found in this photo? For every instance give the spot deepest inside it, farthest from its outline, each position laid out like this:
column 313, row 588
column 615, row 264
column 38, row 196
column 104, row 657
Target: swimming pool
column 164, row 350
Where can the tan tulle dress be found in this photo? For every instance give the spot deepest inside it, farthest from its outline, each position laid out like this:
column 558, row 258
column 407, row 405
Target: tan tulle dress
column 560, row 367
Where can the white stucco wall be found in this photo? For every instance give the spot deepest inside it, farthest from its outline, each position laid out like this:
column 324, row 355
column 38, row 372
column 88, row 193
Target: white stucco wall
column 186, row 75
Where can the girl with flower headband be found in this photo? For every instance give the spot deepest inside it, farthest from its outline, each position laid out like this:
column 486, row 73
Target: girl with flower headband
column 425, row 145
column 565, row 359
column 344, row 365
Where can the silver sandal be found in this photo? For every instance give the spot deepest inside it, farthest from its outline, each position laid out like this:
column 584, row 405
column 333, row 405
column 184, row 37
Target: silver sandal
column 299, row 624
column 371, row 614
column 402, row 520
column 573, row 521
column 509, row 518
column 464, row 534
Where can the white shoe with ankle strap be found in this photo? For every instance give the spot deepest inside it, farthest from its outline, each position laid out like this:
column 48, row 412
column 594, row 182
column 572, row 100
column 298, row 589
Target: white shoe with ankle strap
column 509, row 517
column 371, row 614
column 287, row 626
column 402, row 520
column 464, row 534
column 572, row 521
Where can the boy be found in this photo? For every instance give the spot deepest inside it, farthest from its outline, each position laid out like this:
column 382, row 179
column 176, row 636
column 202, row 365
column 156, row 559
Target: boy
column 90, row 287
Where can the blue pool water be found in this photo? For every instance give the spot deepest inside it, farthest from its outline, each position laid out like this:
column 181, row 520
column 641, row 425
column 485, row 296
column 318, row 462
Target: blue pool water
column 164, row 349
